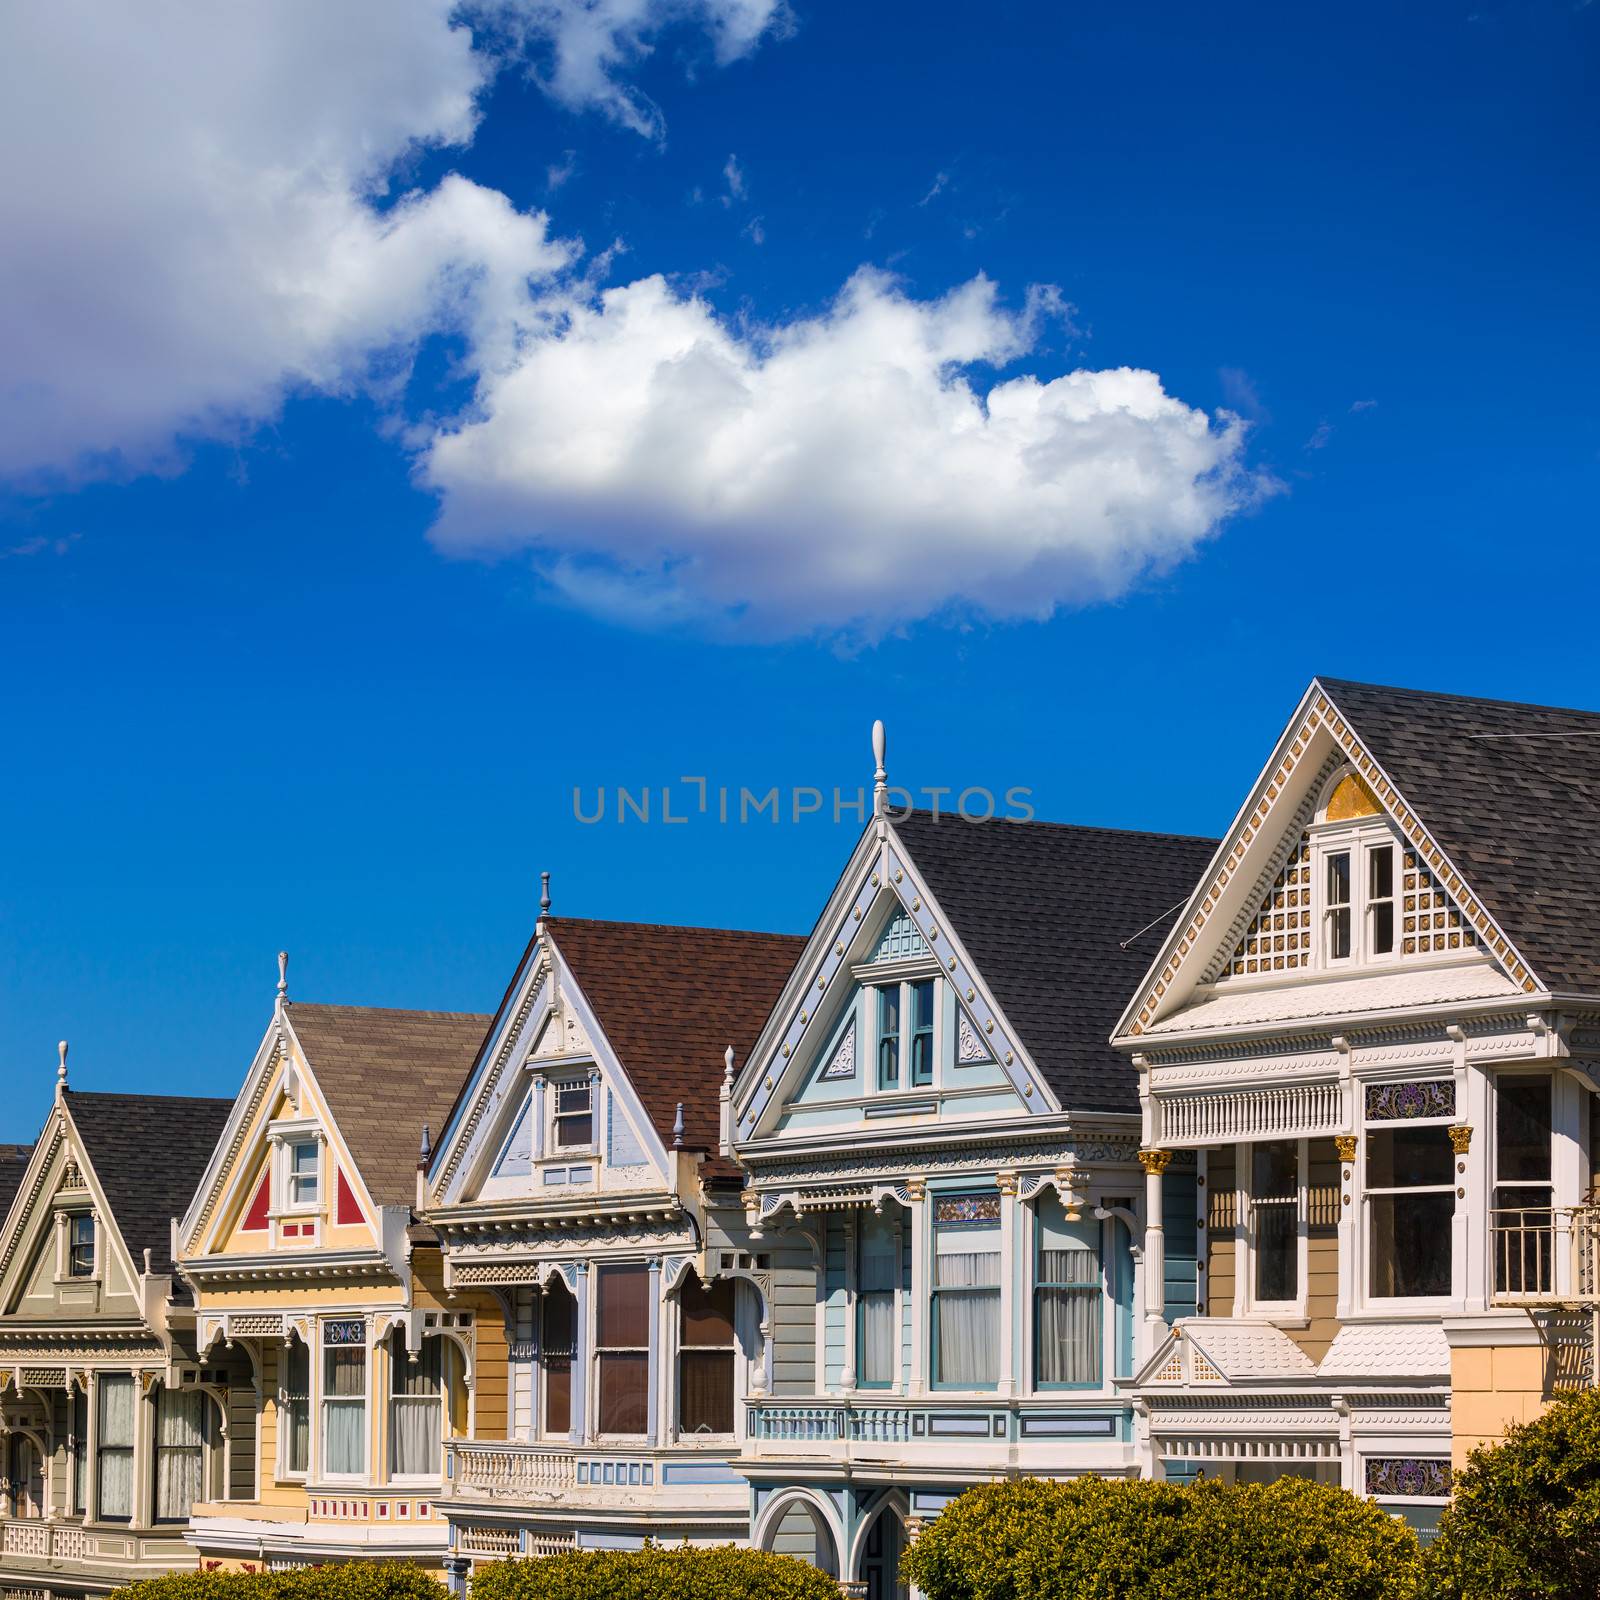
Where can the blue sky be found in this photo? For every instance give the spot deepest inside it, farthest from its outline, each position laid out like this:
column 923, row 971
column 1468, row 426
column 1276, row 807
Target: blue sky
column 308, row 644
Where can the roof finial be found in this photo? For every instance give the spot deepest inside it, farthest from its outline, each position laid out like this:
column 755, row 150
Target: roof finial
column 544, row 895
column 727, row 1066
column 677, row 1128
column 61, row 1069
column 283, row 975
column 880, row 778
column 427, row 1147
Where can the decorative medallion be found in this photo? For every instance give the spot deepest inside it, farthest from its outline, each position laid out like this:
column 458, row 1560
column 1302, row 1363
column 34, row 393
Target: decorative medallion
column 344, row 1330
column 842, row 1063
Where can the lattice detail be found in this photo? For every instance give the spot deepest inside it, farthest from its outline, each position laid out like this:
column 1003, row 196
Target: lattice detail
column 1279, row 940
column 1430, row 921
column 44, row 1377
column 842, row 1063
column 1172, row 1368
column 1204, row 1372
column 257, row 1323
column 901, row 940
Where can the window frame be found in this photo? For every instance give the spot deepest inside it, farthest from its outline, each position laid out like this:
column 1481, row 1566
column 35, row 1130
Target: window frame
column 600, row 1351
column 284, row 1469
column 322, row 1400
column 1367, row 1255
column 935, row 1292
column 541, row 1419
column 896, row 1294
column 1361, row 840
column 102, row 1449
column 558, row 1087
column 1497, row 1184
column 684, row 1348
column 400, row 1362
column 294, row 1181
column 910, row 1076
column 207, row 1440
column 1038, row 1285
column 1244, row 1169
column 73, row 1218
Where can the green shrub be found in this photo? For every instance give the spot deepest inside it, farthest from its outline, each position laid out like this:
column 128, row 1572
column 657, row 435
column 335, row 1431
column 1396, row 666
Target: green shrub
column 352, row 1580
column 657, row 1572
column 1099, row 1539
column 1525, row 1521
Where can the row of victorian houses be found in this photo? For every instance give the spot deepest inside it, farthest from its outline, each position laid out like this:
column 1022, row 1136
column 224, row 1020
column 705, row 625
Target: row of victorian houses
column 1051, row 1150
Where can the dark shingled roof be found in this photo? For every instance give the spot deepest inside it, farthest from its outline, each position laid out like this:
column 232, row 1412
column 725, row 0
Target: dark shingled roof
column 13, row 1163
column 386, row 1073
column 1044, row 909
column 671, row 1000
column 149, row 1152
column 1519, row 815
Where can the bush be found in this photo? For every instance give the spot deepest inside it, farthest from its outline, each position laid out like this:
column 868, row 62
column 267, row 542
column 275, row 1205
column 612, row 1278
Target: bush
column 352, row 1580
column 1525, row 1521
column 1099, row 1539
column 682, row 1572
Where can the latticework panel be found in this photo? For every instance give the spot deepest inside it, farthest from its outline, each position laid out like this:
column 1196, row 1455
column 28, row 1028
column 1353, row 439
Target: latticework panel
column 1279, row 940
column 1430, row 921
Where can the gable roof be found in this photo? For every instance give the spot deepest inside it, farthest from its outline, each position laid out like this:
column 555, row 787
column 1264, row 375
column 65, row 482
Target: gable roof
column 385, row 1073
column 13, row 1164
column 1511, row 793
column 1060, row 921
column 149, row 1152
column 670, row 1000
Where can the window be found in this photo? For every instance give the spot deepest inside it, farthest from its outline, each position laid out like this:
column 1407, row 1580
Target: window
column 1411, row 1202
column 574, row 1115
column 26, row 1474
column 1275, row 1220
column 302, row 1161
column 1380, row 900
column 557, row 1325
column 922, row 1032
column 1068, row 1310
column 180, row 1455
column 80, row 1245
column 877, row 1326
column 889, row 1037
column 965, row 1319
column 80, row 1451
column 1336, row 912
column 416, row 1419
column 706, row 1350
column 344, row 1399
column 1523, row 1197
column 114, row 1446
column 622, row 1349
column 296, row 1408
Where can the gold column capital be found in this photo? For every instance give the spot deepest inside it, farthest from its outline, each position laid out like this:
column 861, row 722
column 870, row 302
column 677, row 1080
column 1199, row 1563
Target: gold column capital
column 1155, row 1162
column 1346, row 1144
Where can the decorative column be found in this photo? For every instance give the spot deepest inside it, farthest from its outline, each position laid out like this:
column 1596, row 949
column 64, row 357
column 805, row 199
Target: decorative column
column 1471, row 1202
column 1006, row 1183
column 658, row 1357
column 1155, row 1163
column 916, row 1206
column 1346, row 1146
column 539, row 1088
column 582, row 1342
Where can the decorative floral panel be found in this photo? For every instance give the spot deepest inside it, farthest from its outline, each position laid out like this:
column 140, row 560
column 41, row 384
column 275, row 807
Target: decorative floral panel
column 344, row 1330
column 1395, row 1102
column 970, row 1045
column 1410, row 1477
column 1279, row 940
column 842, row 1063
column 966, row 1208
column 901, row 940
column 1429, row 920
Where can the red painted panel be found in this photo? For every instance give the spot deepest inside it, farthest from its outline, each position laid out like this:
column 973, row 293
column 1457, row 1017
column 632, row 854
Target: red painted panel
column 257, row 1218
column 349, row 1209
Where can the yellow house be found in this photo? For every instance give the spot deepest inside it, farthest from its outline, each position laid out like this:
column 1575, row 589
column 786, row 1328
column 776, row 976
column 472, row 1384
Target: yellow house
column 303, row 1250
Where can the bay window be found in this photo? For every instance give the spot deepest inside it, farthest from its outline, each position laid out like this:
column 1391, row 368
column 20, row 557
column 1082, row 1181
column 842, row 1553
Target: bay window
column 114, row 1446
column 557, row 1330
column 180, row 1452
column 877, row 1325
column 622, row 1349
column 344, row 1399
column 1411, row 1202
column 296, row 1423
column 706, row 1356
column 1275, row 1220
column 1068, row 1308
column 1523, row 1196
column 965, row 1293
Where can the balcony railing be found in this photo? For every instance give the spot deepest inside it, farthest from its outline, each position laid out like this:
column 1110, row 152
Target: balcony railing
column 1545, row 1256
column 44, row 1541
column 508, row 1471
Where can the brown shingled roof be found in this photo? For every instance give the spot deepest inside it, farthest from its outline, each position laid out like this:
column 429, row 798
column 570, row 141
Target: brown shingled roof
column 670, row 1001
column 386, row 1073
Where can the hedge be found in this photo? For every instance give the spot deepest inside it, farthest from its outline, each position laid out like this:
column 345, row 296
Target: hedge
column 681, row 1572
column 1525, row 1521
column 349, row 1580
column 1099, row 1539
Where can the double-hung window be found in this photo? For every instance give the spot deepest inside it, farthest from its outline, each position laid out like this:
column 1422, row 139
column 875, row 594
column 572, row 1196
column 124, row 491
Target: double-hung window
column 557, row 1329
column 114, row 1447
column 180, row 1454
column 296, row 1389
column 1068, row 1307
column 302, row 1163
column 706, row 1350
column 416, row 1416
column 622, row 1349
column 80, row 1245
column 904, row 1018
column 1523, row 1197
column 1358, row 898
column 1411, row 1202
column 877, row 1325
column 1275, row 1221
column 965, row 1294
column 574, row 1118
column 889, row 1036
column 344, row 1398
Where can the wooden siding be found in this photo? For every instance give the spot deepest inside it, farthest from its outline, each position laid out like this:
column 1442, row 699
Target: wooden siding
column 1221, row 1217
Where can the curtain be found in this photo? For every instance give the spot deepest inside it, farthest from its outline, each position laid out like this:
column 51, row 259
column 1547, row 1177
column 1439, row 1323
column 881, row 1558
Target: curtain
column 705, row 1397
column 1069, row 1316
column 877, row 1330
column 415, row 1425
column 180, row 1453
column 297, row 1406
column 116, row 1446
column 967, row 1316
column 344, row 1411
column 624, row 1392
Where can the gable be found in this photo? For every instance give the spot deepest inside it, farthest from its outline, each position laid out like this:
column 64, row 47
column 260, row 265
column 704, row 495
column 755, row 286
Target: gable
column 1255, row 914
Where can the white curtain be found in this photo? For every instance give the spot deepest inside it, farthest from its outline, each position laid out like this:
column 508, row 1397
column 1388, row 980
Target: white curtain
column 180, row 1453
column 1069, row 1316
column 344, row 1411
column 876, row 1325
column 968, row 1316
column 416, row 1435
column 116, row 1445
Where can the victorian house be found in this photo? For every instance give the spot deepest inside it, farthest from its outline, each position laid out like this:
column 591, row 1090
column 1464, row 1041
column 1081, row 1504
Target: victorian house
column 1373, row 1030
column 933, row 1123
column 109, row 1430
column 310, row 1269
column 580, row 1182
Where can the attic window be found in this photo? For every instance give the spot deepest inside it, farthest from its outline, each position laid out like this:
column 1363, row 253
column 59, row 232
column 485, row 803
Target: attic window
column 302, row 1171
column 80, row 1245
column 574, row 1116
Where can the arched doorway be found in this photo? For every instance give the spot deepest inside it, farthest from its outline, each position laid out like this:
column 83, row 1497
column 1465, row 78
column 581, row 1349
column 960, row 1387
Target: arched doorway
column 880, row 1550
column 797, row 1527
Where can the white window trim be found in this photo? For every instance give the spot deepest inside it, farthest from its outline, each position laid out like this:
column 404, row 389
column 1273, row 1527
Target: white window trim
column 1029, row 1384
column 672, row 1339
column 281, row 1469
column 1367, row 1303
column 317, row 1472
column 449, row 1352
column 900, row 976
column 897, row 1385
column 64, row 1273
column 1244, row 1171
column 554, row 1150
column 283, row 1137
column 1358, row 838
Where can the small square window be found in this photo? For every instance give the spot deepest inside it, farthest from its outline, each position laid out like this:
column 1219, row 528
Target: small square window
column 80, row 1246
column 574, row 1116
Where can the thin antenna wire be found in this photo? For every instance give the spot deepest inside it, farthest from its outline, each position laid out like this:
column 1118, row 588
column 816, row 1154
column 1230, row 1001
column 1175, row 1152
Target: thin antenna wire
column 1149, row 925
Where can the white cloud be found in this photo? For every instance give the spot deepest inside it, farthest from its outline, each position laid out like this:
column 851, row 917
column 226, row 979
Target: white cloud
column 734, row 173
column 839, row 472
column 199, row 214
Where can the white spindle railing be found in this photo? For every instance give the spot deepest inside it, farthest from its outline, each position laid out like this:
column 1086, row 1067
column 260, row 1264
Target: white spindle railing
column 1296, row 1110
